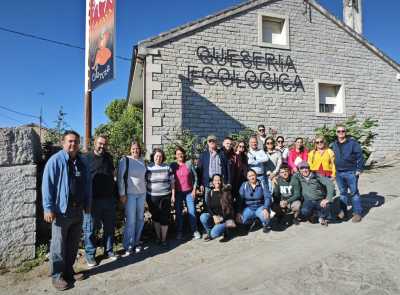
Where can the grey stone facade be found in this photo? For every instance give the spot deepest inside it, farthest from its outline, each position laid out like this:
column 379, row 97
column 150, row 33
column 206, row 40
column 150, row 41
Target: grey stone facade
column 321, row 48
column 19, row 150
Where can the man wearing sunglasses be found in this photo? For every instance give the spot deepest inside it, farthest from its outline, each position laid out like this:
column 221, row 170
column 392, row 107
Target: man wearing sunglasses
column 349, row 163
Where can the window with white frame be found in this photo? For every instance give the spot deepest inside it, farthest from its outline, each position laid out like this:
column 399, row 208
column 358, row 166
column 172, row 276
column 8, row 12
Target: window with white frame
column 330, row 98
column 273, row 31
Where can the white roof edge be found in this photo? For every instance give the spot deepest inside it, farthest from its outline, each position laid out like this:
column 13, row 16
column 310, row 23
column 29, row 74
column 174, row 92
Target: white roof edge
column 195, row 25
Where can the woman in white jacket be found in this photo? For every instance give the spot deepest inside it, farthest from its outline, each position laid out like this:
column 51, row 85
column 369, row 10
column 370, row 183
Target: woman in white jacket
column 132, row 192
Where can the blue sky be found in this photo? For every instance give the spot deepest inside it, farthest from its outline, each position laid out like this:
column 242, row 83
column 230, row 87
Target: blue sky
column 37, row 74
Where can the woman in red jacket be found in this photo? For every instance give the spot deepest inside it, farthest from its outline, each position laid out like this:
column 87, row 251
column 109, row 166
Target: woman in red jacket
column 297, row 154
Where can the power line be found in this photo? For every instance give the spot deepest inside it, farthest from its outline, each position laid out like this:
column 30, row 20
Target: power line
column 11, row 118
column 61, row 43
column 19, row 113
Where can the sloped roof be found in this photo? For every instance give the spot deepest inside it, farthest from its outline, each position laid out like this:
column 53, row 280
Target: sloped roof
column 198, row 24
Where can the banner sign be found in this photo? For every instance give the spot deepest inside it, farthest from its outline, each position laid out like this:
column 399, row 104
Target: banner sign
column 100, row 42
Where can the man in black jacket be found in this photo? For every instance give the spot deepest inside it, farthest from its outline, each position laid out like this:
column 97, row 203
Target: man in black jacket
column 103, row 202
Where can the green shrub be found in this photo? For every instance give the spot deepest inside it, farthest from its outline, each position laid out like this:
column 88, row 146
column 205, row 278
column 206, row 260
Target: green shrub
column 362, row 131
column 191, row 143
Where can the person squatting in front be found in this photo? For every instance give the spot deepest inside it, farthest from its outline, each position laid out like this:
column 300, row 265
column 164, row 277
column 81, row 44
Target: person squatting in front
column 286, row 196
column 218, row 218
column 317, row 192
column 254, row 203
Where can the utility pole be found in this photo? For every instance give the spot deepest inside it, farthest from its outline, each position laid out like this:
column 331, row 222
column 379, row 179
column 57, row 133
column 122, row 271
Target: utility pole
column 40, row 123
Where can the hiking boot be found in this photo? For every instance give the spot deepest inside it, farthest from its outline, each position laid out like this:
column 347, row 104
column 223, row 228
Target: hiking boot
column 207, row 238
column 356, row 218
column 266, row 229
column 296, row 221
column 225, row 239
column 91, row 262
column 60, row 284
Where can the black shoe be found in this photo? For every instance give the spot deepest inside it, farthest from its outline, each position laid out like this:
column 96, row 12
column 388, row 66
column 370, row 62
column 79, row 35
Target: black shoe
column 266, row 229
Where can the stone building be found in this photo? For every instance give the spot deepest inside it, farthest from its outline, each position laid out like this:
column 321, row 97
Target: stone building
column 20, row 152
column 289, row 64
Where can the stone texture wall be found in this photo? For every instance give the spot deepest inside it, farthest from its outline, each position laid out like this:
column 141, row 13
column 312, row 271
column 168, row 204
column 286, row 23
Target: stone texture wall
column 19, row 150
column 320, row 50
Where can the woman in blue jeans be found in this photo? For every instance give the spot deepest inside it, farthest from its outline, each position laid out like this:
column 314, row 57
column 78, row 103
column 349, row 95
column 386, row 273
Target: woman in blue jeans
column 132, row 192
column 218, row 219
column 185, row 192
column 254, row 202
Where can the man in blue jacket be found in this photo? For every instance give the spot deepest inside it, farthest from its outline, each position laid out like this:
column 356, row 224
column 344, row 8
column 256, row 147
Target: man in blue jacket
column 349, row 163
column 212, row 161
column 66, row 192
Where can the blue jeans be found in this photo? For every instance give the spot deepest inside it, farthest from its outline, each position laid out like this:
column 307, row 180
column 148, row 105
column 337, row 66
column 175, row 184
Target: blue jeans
column 347, row 180
column 187, row 197
column 310, row 206
column 212, row 229
column 134, row 214
column 250, row 214
column 65, row 236
column 103, row 212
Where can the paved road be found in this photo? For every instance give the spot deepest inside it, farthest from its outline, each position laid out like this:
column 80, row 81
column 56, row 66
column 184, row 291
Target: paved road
column 343, row 258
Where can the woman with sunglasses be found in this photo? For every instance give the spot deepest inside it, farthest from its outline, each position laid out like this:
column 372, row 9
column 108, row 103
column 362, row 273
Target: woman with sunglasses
column 280, row 141
column 274, row 163
column 322, row 159
column 297, row 154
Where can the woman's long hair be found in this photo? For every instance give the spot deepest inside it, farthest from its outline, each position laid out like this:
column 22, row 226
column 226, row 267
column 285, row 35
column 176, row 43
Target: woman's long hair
column 226, row 201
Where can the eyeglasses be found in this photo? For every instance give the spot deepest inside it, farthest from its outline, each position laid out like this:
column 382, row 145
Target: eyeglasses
column 319, row 141
column 211, row 140
column 340, row 131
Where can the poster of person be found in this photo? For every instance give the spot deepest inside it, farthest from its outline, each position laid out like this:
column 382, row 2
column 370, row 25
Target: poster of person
column 100, row 41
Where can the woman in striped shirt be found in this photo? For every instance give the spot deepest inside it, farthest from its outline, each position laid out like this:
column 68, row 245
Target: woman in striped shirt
column 160, row 192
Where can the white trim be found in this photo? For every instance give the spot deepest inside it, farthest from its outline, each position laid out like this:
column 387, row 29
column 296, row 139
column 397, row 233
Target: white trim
column 285, row 29
column 341, row 95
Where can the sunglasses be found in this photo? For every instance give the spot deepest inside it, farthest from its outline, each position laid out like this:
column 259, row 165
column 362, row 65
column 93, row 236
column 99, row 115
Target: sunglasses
column 261, row 130
column 319, row 141
column 212, row 140
column 269, row 142
column 341, row 131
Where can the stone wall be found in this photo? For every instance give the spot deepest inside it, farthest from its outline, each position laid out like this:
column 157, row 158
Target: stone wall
column 19, row 152
column 321, row 51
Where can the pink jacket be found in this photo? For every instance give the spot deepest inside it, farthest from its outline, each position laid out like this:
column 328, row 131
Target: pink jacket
column 293, row 155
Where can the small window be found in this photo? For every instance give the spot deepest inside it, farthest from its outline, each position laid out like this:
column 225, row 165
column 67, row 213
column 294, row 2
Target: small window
column 273, row 31
column 330, row 98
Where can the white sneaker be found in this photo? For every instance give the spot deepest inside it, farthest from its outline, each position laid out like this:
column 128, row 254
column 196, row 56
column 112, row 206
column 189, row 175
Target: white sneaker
column 138, row 249
column 196, row 235
column 127, row 253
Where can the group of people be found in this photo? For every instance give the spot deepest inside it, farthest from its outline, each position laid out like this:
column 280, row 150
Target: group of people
column 242, row 184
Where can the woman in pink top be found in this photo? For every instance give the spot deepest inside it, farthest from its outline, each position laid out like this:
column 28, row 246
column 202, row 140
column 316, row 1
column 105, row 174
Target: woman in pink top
column 297, row 154
column 185, row 191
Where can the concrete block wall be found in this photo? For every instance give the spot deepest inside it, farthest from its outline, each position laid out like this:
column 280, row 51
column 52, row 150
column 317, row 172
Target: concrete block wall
column 320, row 50
column 19, row 150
